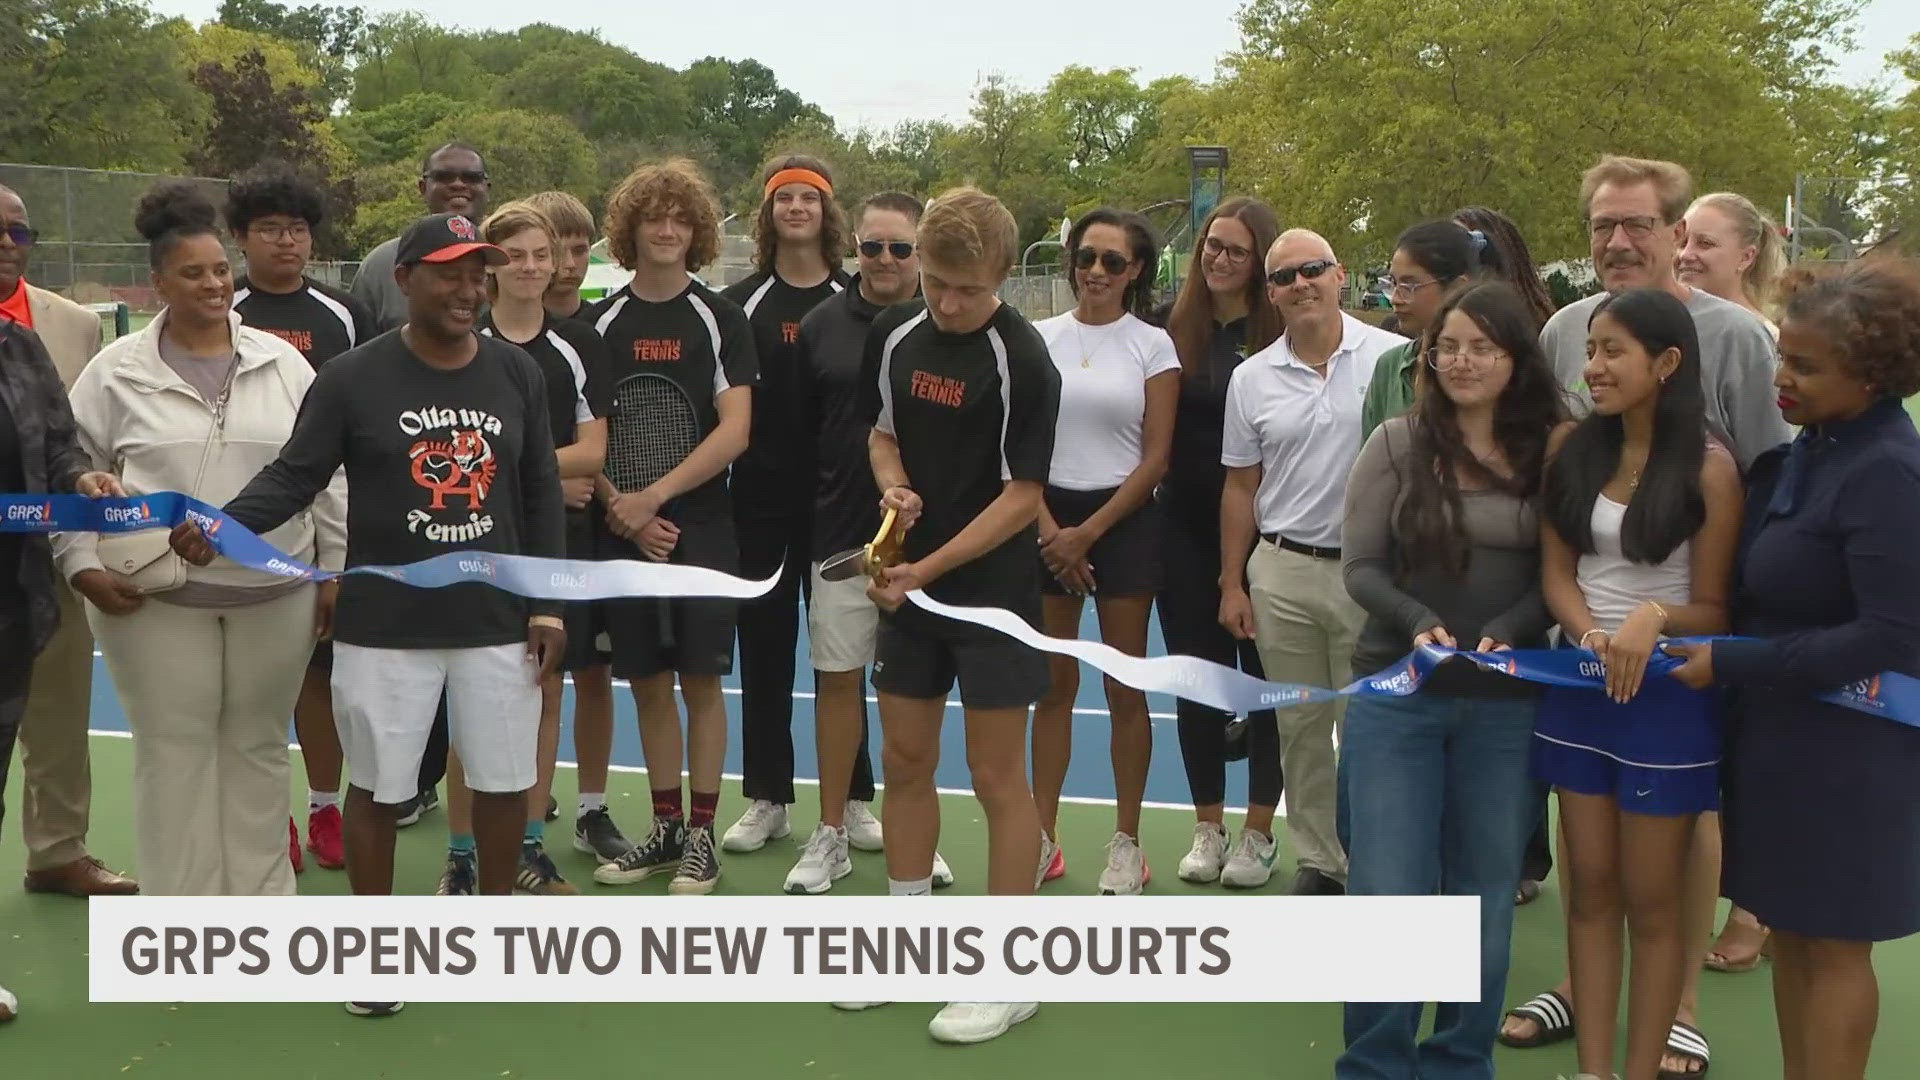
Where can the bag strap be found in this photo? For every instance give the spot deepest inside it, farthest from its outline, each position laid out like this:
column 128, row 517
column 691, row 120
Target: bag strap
column 218, row 424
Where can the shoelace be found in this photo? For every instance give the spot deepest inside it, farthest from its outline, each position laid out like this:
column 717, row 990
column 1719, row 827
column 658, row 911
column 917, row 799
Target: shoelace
column 698, row 861
column 656, row 839
column 820, row 845
column 1122, row 854
column 758, row 813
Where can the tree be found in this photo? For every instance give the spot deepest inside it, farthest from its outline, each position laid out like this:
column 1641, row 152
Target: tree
column 607, row 93
column 253, row 119
column 1010, row 147
column 327, row 35
column 1899, row 211
column 738, row 106
column 391, row 132
column 406, row 53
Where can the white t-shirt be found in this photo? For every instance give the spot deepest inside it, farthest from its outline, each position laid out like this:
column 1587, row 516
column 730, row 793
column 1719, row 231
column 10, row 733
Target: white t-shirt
column 1103, row 396
column 1304, row 430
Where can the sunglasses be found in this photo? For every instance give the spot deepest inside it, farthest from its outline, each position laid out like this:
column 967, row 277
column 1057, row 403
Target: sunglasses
column 1284, row 276
column 899, row 249
column 22, row 235
column 448, row 176
column 1111, row 261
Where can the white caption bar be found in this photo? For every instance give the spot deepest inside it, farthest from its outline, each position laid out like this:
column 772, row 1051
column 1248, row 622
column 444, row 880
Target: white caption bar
column 784, row 949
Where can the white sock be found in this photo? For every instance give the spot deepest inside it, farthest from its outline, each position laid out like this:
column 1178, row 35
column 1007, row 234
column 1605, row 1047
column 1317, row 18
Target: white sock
column 923, row 887
column 591, row 802
column 320, row 800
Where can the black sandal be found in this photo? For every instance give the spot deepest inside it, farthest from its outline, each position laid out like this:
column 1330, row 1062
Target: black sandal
column 1685, row 1040
column 1554, row 1015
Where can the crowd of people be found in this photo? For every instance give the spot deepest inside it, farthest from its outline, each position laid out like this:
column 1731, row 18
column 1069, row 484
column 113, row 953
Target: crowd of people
column 1708, row 447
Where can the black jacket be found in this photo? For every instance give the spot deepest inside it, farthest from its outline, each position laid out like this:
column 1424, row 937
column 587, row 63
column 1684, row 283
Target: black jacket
column 50, row 459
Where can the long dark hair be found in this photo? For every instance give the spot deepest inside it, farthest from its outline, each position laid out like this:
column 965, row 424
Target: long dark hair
column 833, row 220
column 1141, row 244
column 1428, row 520
column 1504, row 252
column 1191, row 320
column 1441, row 248
column 1668, row 507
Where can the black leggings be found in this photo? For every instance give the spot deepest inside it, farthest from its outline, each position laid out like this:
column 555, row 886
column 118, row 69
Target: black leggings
column 1189, row 607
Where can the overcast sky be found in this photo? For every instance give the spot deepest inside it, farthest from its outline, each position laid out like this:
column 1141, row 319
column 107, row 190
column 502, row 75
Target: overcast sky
column 866, row 71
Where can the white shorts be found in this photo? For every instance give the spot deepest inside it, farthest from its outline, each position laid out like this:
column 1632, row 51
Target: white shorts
column 841, row 623
column 384, row 702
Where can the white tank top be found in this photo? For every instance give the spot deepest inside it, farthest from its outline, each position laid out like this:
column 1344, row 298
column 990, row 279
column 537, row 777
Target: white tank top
column 1615, row 586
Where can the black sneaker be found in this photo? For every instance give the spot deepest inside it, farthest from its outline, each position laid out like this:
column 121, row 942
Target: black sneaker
column 1311, row 882
column 417, row 807
column 375, row 1008
column 661, row 851
column 539, row 876
column 553, row 808
column 461, row 876
column 595, row 834
column 699, row 867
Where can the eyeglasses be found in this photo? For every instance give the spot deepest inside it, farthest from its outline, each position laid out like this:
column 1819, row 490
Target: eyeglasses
column 1111, row 261
column 448, row 176
column 901, row 250
column 21, row 234
column 276, row 233
column 1284, row 276
column 1448, row 354
column 1639, row 228
column 1408, row 289
column 1235, row 255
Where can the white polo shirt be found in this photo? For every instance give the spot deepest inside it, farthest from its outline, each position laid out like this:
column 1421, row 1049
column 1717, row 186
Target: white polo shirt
column 1304, row 430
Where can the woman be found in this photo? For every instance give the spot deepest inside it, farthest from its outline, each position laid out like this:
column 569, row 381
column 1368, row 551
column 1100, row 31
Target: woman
column 1640, row 515
column 1827, row 597
column 1734, row 252
column 1504, row 254
column 1099, row 527
column 1427, row 260
column 1220, row 318
column 1442, row 546
column 208, row 661
column 579, row 395
column 38, row 455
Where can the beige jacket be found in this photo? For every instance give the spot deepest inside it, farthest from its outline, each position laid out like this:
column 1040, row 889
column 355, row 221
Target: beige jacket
column 141, row 421
column 70, row 332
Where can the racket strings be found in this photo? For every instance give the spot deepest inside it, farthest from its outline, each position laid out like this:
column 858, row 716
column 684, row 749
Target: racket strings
column 653, row 429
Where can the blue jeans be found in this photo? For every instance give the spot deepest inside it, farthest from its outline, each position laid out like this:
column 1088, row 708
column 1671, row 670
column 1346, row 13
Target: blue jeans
column 1440, row 802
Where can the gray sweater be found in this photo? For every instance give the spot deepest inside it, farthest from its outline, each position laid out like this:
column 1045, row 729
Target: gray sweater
column 1737, row 360
column 373, row 285
column 1498, row 596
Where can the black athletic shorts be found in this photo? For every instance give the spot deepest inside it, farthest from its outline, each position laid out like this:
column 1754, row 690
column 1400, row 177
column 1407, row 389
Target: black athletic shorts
column 920, row 655
column 1126, row 561
column 585, row 647
column 702, row 629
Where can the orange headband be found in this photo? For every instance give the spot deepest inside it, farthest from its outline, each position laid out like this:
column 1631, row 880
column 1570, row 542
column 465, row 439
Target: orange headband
column 797, row 176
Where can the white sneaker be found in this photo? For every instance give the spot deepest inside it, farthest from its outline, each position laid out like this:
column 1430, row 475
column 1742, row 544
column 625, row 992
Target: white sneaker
column 863, row 829
column 762, row 822
column 1202, row 863
column 1052, row 863
column 858, row 1006
column 823, row 861
column 942, row 875
column 978, row 1021
column 1126, row 872
column 1251, row 864
column 9, row 1005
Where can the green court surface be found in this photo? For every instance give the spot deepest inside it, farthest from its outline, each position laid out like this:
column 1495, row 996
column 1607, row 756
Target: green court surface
column 60, row 1035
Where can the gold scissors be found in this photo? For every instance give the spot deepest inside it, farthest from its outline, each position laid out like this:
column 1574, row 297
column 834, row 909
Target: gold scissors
column 871, row 559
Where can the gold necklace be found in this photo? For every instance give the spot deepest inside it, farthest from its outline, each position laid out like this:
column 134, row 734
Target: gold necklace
column 1080, row 339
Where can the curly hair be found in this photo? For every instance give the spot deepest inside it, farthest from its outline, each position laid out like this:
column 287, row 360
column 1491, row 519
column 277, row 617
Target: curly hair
column 833, row 220
column 1871, row 310
column 652, row 190
column 273, row 188
column 172, row 211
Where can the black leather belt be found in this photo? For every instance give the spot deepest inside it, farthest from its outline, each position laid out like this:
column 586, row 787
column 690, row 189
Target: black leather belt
column 1285, row 544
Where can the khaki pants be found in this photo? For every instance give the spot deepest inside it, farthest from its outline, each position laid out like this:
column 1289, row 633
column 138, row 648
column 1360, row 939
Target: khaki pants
column 1305, row 625
column 208, row 693
column 55, row 772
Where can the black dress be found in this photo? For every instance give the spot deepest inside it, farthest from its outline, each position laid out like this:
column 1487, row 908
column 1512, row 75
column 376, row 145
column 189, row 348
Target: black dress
column 1822, row 802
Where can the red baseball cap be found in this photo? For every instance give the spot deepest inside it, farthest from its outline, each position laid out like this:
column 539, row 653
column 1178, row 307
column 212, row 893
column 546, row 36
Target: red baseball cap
column 442, row 238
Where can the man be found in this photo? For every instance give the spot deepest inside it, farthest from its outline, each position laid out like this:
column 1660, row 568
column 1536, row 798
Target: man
column 1635, row 213
column 54, row 763
column 1292, row 434
column 798, row 236
column 444, row 435
column 594, row 831
column 273, row 213
column 964, row 397
column 663, row 222
column 453, row 179
column 842, row 621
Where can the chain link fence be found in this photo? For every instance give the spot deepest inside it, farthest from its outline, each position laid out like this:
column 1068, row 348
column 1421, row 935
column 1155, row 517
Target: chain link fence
column 1839, row 219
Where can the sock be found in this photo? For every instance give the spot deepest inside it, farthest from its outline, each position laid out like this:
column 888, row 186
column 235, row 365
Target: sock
column 536, row 832
column 320, row 800
column 460, row 845
column 923, row 887
column 705, row 804
column 666, row 802
column 590, row 803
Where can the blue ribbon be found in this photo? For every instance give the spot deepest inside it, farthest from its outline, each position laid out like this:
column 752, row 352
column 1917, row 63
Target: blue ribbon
column 1891, row 696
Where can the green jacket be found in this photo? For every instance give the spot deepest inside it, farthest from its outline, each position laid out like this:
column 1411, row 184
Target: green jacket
column 1391, row 391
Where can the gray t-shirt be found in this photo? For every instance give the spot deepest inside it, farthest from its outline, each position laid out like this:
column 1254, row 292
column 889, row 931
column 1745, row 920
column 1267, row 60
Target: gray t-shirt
column 1737, row 361
column 1497, row 596
column 373, row 285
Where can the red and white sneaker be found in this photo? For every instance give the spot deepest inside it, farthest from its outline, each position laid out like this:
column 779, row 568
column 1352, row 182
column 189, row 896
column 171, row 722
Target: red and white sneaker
column 324, row 838
column 1053, row 861
column 293, row 846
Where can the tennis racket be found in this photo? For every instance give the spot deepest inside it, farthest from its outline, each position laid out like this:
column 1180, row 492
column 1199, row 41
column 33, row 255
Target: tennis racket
column 651, row 430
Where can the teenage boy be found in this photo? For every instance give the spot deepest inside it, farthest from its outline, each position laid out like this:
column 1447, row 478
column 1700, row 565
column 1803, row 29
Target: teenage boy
column 964, row 395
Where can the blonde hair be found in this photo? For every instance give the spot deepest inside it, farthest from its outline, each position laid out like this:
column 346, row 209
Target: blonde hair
column 1672, row 183
column 676, row 184
column 1757, row 231
column 966, row 227
column 569, row 215
column 511, row 220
